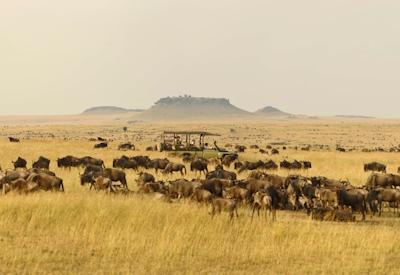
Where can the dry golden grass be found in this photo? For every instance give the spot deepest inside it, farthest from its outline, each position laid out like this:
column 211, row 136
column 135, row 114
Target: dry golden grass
column 87, row 232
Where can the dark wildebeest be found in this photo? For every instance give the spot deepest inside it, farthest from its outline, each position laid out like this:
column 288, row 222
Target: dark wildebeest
column 20, row 163
column 229, row 159
column 101, row 145
column 159, row 164
column 219, row 205
column 375, row 167
column 220, row 173
column 68, row 162
column 353, row 198
column 240, row 148
column 85, row 161
column 270, row 165
column 125, row 163
column 295, row 165
column 274, row 151
column 237, row 165
column 383, row 195
column 142, row 161
column 13, row 139
column 251, row 166
column 175, row 167
column 126, row 146
column 199, row 165
column 42, row 163
column 306, row 164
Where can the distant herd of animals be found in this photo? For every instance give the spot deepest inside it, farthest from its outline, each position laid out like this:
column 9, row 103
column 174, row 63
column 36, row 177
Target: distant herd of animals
column 320, row 197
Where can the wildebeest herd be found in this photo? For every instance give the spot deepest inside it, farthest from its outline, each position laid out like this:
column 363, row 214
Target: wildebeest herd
column 220, row 188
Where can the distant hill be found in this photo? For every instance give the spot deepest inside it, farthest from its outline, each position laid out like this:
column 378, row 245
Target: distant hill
column 189, row 108
column 272, row 112
column 104, row 110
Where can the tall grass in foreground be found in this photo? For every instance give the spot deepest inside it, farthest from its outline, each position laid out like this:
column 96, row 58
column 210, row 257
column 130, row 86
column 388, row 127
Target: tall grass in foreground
column 83, row 233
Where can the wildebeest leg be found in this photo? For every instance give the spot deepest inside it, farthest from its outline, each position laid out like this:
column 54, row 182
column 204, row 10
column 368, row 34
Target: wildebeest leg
column 380, row 207
column 237, row 214
column 252, row 215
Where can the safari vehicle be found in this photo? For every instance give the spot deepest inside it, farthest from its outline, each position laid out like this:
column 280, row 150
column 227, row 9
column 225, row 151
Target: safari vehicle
column 193, row 142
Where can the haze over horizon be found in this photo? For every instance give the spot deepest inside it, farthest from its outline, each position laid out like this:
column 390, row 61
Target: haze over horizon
column 303, row 57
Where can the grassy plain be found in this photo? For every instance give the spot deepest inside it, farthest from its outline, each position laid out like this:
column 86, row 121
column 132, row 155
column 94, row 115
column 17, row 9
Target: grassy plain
column 84, row 232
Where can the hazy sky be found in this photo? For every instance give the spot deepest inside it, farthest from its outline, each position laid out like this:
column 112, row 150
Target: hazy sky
column 313, row 57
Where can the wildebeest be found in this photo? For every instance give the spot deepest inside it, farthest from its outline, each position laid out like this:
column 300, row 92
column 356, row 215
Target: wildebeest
column 382, row 180
column 220, row 204
column 327, row 197
column 352, row 198
column 383, row 195
column 85, row 161
column 68, row 162
column 295, row 165
column 229, row 159
column 375, row 167
column 238, row 193
column 125, row 163
column 175, row 167
column 159, row 164
column 145, row 178
column 47, row 182
column 126, row 146
column 220, row 173
column 180, row 188
column 20, row 163
column 199, row 165
column 102, row 183
column 202, row 196
column 13, row 139
column 215, row 186
column 42, row 163
column 116, row 175
column 263, row 201
column 101, row 145
column 251, row 166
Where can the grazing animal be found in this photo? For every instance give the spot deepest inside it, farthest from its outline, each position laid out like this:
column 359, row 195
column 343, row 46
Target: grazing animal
column 218, row 205
column 42, row 163
column 126, row 146
column 175, row 167
column 199, row 165
column 13, row 140
column 159, row 164
column 125, row 163
column 383, row 195
column 103, row 183
column 375, row 167
column 145, row 178
column 68, row 162
column 101, row 145
column 262, row 201
column 85, row 161
column 20, row 163
column 46, row 182
column 229, row 159
column 220, row 173
column 202, row 196
column 353, row 198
